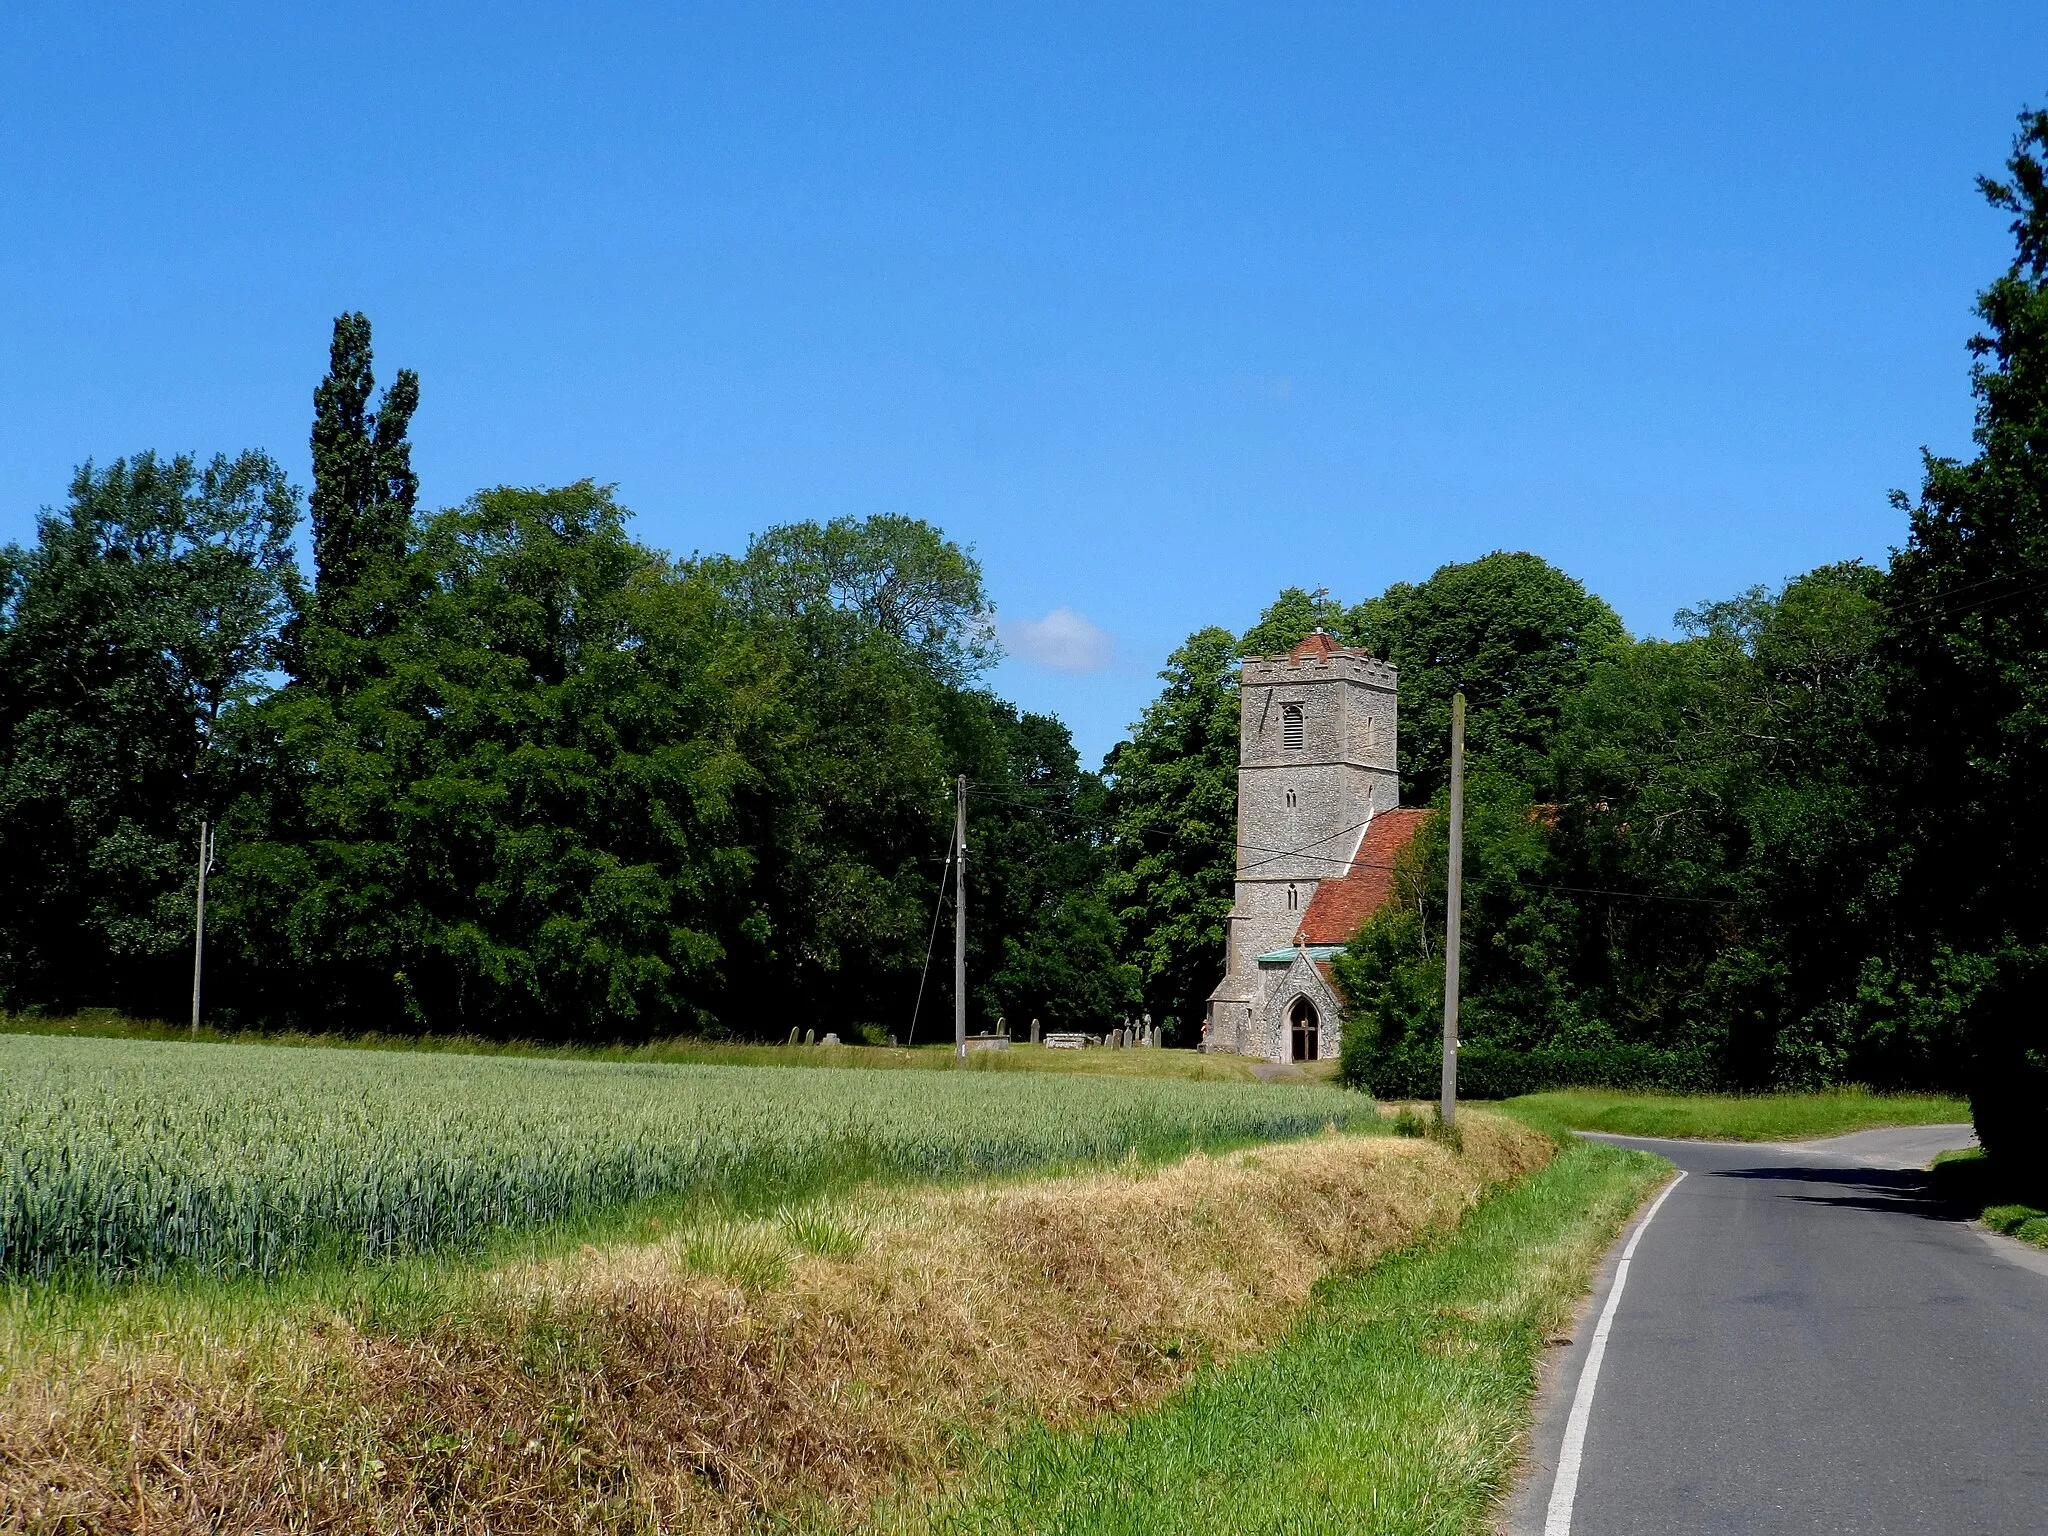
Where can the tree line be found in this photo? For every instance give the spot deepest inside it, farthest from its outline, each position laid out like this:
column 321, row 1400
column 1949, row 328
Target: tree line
column 500, row 769
column 1801, row 843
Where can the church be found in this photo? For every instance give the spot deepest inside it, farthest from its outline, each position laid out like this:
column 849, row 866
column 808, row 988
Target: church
column 1318, row 827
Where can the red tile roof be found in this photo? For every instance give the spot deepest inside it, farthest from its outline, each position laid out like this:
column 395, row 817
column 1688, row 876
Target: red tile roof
column 1317, row 643
column 1341, row 905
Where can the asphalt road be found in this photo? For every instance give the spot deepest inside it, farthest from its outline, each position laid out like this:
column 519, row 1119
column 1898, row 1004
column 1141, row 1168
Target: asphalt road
column 1805, row 1341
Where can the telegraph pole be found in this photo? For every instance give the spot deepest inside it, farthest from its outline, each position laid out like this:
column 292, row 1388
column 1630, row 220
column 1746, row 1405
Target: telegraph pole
column 199, row 918
column 1452, row 913
column 960, row 918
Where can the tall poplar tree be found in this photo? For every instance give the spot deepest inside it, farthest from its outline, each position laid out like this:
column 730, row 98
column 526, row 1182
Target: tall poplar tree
column 364, row 488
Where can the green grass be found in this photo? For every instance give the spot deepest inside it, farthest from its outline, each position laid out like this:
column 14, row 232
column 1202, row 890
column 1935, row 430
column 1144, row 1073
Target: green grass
column 1395, row 1404
column 132, row 1156
column 1975, row 1183
column 1735, row 1117
column 678, row 1050
column 2029, row 1223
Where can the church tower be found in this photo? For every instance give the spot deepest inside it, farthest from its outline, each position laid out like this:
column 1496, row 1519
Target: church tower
column 1316, row 764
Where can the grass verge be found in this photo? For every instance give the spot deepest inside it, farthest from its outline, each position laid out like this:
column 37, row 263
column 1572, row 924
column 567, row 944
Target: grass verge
column 732, row 1373
column 1734, row 1117
column 1396, row 1403
column 1975, row 1183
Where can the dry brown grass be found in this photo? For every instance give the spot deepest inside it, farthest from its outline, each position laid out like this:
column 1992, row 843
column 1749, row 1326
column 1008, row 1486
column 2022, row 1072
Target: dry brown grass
column 725, row 1373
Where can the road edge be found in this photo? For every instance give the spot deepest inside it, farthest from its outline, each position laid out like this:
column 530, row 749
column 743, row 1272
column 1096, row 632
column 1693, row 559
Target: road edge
column 1526, row 1509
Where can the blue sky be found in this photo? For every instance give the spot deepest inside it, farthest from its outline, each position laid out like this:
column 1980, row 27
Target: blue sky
column 1159, row 308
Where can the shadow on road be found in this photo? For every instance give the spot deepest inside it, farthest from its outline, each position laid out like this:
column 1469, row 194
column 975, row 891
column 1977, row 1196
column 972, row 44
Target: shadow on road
column 1899, row 1191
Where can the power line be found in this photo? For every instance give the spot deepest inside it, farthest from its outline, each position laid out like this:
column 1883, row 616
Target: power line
column 1274, row 855
column 1594, row 890
column 1302, row 852
column 929, row 944
column 1938, row 603
column 1586, row 890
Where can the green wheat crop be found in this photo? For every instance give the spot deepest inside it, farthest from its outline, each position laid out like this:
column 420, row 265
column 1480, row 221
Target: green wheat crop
column 136, row 1157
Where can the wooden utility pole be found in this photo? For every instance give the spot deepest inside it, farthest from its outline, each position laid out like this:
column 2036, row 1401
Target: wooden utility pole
column 960, row 918
column 1453, row 904
column 199, row 918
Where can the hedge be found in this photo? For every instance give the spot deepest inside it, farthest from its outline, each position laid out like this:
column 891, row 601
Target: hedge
column 1492, row 1072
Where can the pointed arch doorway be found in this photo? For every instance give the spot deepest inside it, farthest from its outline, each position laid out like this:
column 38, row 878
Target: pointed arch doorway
column 1304, row 1029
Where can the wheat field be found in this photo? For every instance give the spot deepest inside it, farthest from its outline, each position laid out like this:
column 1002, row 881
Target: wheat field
column 126, row 1157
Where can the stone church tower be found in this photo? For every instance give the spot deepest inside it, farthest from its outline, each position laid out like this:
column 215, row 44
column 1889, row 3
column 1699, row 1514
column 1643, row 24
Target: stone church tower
column 1316, row 779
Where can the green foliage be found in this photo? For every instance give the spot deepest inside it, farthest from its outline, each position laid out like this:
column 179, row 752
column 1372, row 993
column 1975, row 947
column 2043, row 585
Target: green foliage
column 1488, row 1070
column 1707, row 891
column 1068, row 971
column 1515, row 988
column 1393, row 993
column 837, row 583
column 1294, row 614
column 1707, row 902
column 1173, row 820
column 525, row 817
column 121, row 1157
column 529, row 779
column 134, row 637
column 2006, row 1198
column 1050, row 947
column 1725, row 817
column 1514, row 633
column 1970, row 703
column 2024, row 1222
column 572, row 790
column 364, row 487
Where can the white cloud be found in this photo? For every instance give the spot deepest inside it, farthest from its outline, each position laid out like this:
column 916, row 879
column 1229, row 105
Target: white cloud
column 1063, row 640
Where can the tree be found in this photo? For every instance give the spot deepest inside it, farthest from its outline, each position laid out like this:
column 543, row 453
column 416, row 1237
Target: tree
column 531, row 815
column 1515, row 980
column 574, row 789
column 870, row 634
column 1039, row 837
column 1708, row 896
column 364, row 487
column 1511, row 631
column 893, row 575
column 1289, row 620
column 1723, row 801
column 1969, row 639
column 1069, row 970
column 134, row 637
column 1173, row 819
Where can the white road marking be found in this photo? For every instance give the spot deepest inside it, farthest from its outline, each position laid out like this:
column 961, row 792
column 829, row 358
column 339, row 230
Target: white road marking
column 1558, row 1522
